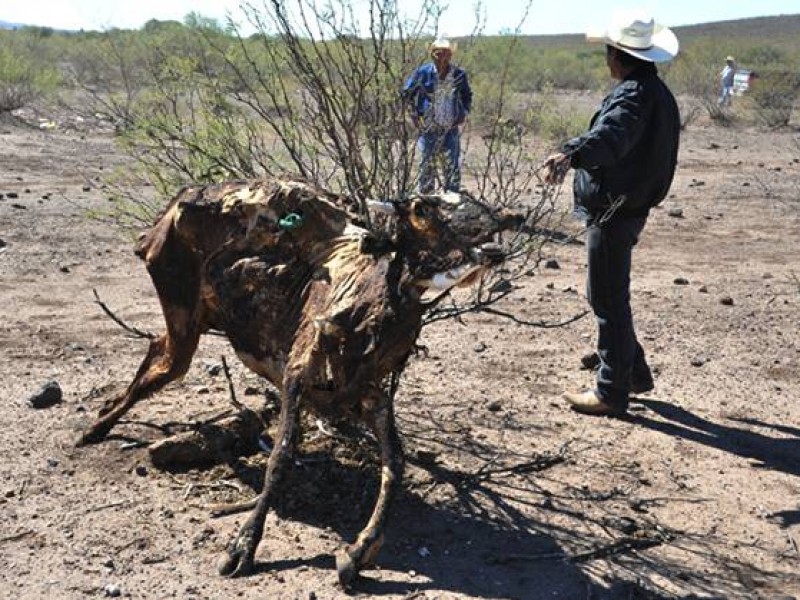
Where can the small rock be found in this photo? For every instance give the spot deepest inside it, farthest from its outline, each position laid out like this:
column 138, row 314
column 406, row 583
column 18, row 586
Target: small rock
column 203, row 389
column 590, row 361
column 251, row 390
column 141, row 470
column 213, row 369
column 551, row 263
column 698, row 361
column 680, row 281
column 49, row 395
column 702, row 289
column 502, row 286
column 494, row 406
column 427, row 457
column 423, row 552
column 726, row 301
column 86, row 188
column 64, row 269
column 12, row 195
column 676, row 213
column 112, row 590
column 479, row 347
column 745, row 184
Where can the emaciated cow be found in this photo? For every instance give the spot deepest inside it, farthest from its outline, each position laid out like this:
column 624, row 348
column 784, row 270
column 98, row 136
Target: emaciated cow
column 319, row 306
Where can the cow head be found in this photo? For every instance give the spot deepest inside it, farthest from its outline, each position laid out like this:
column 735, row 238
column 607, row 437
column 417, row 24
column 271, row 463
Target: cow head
column 448, row 239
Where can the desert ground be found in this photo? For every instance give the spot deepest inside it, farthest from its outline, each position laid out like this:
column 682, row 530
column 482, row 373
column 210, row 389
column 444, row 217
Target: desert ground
column 507, row 494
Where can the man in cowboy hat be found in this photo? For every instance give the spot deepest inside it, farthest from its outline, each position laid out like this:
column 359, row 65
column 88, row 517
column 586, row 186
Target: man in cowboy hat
column 624, row 166
column 440, row 99
column 726, row 80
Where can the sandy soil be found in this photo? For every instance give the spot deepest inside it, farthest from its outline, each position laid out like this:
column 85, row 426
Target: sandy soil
column 508, row 494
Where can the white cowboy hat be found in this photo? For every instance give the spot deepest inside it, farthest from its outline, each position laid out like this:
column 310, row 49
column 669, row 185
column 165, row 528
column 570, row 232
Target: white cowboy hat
column 637, row 34
column 442, row 44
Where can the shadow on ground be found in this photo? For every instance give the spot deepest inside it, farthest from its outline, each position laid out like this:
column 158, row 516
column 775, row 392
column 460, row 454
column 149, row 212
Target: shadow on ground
column 776, row 453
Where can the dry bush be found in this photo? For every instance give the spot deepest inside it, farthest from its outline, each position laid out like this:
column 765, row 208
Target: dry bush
column 305, row 94
column 774, row 94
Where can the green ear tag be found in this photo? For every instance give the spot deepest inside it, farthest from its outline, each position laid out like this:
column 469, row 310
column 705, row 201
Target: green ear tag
column 290, row 221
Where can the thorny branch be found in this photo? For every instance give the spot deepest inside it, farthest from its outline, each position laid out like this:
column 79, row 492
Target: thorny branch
column 620, row 546
column 236, row 404
column 129, row 328
column 120, row 322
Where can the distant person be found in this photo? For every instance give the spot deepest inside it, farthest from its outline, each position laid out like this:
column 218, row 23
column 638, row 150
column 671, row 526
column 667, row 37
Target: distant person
column 726, row 82
column 624, row 166
column 440, row 98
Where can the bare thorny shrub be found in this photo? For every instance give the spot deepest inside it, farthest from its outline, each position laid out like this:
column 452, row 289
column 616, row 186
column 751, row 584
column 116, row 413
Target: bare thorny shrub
column 313, row 92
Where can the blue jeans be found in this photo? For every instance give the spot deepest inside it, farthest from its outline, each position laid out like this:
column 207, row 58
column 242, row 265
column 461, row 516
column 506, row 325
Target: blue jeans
column 432, row 142
column 609, row 250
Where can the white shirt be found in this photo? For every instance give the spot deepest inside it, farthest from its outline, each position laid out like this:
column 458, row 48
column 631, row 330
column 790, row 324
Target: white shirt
column 727, row 76
column 444, row 101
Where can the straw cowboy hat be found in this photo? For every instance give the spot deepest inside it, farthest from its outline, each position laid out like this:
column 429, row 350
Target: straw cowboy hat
column 639, row 35
column 442, row 44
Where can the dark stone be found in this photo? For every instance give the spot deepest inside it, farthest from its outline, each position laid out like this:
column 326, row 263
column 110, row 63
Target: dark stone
column 48, row 396
column 590, row 361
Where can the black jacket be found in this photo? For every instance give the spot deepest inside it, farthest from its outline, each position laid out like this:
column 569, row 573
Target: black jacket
column 630, row 150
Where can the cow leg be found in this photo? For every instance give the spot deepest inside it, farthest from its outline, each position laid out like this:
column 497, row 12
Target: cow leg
column 167, row 359
column 242, row 549
column 354, row 557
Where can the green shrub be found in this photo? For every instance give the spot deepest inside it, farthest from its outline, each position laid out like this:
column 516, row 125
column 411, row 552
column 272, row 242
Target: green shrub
column 22, row 80
column 554, row 121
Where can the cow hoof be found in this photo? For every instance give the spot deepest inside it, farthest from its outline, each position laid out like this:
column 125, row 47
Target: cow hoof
column 235, row 564
column 345, row 568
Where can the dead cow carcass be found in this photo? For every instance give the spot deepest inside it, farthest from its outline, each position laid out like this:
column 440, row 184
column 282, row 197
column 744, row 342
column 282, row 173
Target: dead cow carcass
column 319, row 306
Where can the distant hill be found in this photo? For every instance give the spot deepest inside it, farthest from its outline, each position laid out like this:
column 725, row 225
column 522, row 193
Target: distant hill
column 764, row 28
column 780, row 27
column 7, row 25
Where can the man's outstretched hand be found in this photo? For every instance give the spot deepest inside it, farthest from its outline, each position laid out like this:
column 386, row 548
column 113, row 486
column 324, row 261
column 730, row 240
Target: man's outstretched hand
column 556, row 167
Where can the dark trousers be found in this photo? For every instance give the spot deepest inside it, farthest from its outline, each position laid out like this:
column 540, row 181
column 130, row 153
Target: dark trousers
column 610, row 247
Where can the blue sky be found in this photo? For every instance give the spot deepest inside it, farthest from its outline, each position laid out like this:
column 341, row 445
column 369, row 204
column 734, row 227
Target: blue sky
column 545, row 17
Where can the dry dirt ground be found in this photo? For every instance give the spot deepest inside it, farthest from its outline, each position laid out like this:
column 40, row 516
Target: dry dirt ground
column 508, row 494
